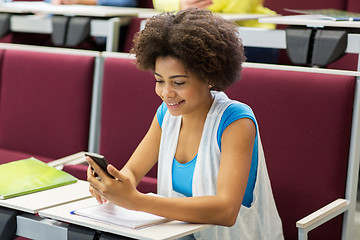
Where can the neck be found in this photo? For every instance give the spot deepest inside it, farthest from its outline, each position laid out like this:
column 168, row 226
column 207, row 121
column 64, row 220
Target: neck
column 197, row 118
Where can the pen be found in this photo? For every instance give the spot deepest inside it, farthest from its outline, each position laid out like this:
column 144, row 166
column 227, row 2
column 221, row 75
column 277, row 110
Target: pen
column 350, row 19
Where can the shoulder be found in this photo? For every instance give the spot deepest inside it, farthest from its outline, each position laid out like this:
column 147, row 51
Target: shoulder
column 236, row 111
column 239, row 108
column 160, row 113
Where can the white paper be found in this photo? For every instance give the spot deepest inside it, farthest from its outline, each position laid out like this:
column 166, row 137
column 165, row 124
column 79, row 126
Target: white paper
column 111, row 213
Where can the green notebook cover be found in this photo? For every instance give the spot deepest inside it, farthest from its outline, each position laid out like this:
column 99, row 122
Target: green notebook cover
column 28, row 176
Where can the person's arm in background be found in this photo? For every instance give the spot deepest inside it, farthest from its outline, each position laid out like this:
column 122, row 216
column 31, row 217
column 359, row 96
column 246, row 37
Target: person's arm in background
column 114, row 3
column 118, row 3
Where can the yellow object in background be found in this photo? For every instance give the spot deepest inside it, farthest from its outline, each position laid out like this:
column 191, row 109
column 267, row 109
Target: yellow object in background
column 225, row 6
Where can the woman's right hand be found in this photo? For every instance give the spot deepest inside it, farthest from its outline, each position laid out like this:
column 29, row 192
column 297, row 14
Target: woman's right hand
column 185, row 4
column 96, row 194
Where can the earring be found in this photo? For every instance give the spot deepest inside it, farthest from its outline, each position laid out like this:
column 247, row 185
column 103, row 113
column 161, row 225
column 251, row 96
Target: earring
column 210, row 85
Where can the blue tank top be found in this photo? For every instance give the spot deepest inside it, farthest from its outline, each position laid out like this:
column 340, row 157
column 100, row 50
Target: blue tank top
column 182, row 173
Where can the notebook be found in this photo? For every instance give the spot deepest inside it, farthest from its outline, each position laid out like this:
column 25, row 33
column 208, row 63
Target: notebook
column 113, row 214
column 28, row 176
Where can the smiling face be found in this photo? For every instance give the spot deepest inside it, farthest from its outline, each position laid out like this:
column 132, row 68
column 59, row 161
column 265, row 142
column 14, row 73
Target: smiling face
column 183, row 92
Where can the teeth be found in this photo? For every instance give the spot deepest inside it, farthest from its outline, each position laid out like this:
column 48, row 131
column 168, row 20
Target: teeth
column 173, row 104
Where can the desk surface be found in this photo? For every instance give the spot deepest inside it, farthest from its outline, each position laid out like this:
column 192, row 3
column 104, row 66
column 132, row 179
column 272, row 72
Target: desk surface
column 34, row 202
column 229, row 16
column 168, row 230
column 70, row 10
column 309, row 20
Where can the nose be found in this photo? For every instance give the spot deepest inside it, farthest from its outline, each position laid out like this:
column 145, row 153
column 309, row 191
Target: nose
column 167, row 91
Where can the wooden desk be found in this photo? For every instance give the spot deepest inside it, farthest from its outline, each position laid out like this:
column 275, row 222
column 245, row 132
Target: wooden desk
column 53, row 217
column 69, row 10
column 34, row 227
column 34, row 202
column 36, row 17
column 229, row 16
column 310, row 21
column 168, row 230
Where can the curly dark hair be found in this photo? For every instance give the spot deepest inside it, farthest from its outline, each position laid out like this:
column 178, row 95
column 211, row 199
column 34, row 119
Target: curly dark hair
column 206, row 44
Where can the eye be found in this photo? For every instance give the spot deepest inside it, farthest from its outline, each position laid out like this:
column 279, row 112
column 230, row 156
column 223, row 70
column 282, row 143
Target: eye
column 158, row 81
column 179, row 83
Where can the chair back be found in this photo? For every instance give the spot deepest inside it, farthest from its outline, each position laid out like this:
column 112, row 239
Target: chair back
column 129, row 104
column 305, row 125
column 45, row 102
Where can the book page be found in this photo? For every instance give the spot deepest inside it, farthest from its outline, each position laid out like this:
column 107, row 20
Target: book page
column 111, row 213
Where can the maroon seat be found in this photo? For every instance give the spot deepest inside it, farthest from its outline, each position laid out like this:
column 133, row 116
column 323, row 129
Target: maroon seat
column 129, row 104
column 134, row 26
column 44, row 104
column 132, row 29
column 353, row 6
column 145, row 3
column 305, row 122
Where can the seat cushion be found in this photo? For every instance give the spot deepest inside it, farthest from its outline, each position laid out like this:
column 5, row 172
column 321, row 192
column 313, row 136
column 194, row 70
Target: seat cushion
column 8, row 156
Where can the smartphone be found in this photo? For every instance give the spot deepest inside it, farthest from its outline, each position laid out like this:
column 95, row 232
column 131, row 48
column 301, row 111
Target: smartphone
column 99, row 160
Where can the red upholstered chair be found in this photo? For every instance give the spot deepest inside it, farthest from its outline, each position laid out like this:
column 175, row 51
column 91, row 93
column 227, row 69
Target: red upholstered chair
column 45, row 102
column 145, row 3
column 305, row 123
column 134, row 26
column 353, row 6
column 129, row 104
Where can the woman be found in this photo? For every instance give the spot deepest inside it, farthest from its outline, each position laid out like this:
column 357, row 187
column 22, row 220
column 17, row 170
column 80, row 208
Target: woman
column 210, row 162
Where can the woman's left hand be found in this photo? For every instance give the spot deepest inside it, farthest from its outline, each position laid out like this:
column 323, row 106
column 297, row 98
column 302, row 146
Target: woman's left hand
column 119, row 191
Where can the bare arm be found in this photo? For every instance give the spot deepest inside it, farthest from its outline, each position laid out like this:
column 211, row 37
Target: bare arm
column 185, row 4
column 221, row 209
column 176, row 5
column 69, row 2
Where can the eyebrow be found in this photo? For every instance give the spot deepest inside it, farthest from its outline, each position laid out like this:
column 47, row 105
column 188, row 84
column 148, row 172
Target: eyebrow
column 172, row 77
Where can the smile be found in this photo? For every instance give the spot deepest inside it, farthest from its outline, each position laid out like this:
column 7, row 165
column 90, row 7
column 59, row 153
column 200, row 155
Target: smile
column 174, row 104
